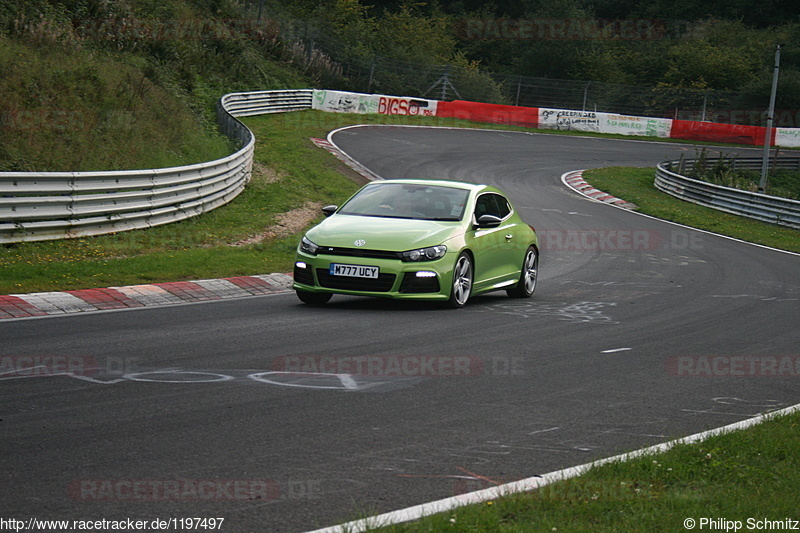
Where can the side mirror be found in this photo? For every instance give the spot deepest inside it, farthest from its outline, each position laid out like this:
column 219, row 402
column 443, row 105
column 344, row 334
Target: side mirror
column 328, row 210
column 489, row 221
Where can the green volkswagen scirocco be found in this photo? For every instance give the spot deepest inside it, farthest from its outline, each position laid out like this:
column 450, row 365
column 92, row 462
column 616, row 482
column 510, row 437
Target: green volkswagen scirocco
column 418, row 239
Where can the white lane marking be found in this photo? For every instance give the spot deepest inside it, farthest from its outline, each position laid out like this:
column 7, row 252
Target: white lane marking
column 98, row 381
column 18, row 373
column 526, row 485
column 142, row 376
column 754, row 296
column 727, row 400
column 179, row 376
column 615, row 350
column 347, row 382
column 545, row 430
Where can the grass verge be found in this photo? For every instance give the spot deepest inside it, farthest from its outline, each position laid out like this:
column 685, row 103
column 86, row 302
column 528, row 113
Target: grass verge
column 747, row 478
column 636, row 185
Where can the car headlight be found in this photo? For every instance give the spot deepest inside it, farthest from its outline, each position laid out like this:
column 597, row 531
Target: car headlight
column 425, row 254
column 306, row 246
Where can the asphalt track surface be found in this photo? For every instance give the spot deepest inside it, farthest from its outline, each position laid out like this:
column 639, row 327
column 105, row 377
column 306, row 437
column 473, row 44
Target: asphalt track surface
column 183, row 411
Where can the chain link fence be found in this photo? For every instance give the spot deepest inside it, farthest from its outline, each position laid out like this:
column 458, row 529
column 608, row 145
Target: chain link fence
column 336, row 66
column 453, row 82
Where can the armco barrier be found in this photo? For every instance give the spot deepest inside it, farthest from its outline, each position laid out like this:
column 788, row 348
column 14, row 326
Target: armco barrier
column 762, row 207
column 263, row 102
column 37, row 206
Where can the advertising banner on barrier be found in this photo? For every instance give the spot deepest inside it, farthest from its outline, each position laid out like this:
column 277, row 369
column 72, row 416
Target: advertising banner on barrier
column 629, row 125
column 714, row 132
column 549, row 118
column 789, row 137
column 566, row 120
column 347, row 102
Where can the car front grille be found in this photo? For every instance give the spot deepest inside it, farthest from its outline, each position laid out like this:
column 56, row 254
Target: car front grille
column 358, row 252
column 383, row 283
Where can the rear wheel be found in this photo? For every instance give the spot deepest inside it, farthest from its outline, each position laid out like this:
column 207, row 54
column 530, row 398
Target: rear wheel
column 527, row 278
column 462, row 281
column 314, row 298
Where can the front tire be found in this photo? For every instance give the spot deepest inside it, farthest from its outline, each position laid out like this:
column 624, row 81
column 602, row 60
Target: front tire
column 461, row 288
column 313, row 298
column 527, row 278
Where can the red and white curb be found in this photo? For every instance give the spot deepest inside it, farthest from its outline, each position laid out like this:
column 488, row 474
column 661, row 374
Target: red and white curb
column 574, row 180
column 152, row 295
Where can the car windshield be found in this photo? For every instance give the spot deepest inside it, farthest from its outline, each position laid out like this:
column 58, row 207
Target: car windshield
column 403, row 200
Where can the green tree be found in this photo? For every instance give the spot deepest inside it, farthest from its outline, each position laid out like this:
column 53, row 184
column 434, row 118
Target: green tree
column 407, row 35
column 717, row 55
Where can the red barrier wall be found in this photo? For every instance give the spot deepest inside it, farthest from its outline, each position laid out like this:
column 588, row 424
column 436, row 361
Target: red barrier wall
column 715, row 132
column 529, row 116
column 491, row 113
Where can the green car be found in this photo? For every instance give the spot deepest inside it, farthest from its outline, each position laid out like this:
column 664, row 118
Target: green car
column 418, row 239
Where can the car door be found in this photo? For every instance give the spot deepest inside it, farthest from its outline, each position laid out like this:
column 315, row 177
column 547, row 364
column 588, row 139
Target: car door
column 497, row 256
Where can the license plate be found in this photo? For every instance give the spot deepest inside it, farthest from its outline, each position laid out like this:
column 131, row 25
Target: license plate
column 354, row 271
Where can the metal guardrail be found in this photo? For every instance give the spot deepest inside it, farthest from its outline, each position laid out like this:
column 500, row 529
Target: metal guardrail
column 37, row 206
column 782, row 211
column 263, row 102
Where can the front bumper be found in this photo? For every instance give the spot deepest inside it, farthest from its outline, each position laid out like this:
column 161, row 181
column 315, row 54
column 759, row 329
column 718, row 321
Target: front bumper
column 424, row 280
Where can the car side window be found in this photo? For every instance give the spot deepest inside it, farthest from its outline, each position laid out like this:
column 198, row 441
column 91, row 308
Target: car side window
column 492, row 204
column 482, row 206
column 503, row 208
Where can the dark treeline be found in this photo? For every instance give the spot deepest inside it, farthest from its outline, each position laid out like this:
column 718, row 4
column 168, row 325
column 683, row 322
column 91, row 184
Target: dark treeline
column 401, row 46
column 685, row 44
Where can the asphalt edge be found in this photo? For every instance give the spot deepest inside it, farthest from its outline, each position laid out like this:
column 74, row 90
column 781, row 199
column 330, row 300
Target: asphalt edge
column 532, row 483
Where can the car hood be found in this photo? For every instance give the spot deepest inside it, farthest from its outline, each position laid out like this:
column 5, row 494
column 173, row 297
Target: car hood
column 380, row 233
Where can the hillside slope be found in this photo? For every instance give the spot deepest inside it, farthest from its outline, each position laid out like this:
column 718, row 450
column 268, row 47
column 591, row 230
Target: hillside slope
column 124, row 85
